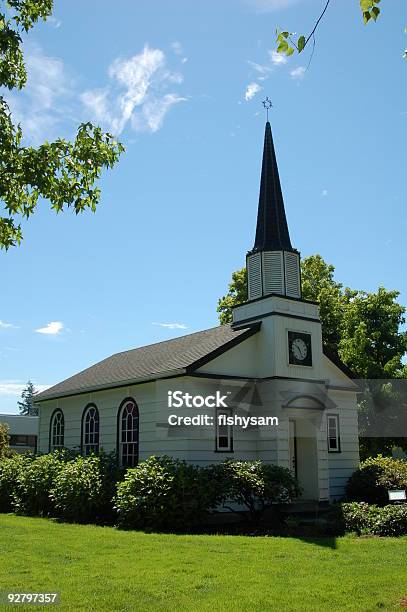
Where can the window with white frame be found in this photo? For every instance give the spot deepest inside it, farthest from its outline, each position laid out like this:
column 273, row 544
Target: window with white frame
column 224, row 431
column 128, row 433
column 332, row 422
column 57, row 430
column 90, row 430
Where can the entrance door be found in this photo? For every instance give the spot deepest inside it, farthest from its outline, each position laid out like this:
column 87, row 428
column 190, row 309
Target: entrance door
column 293, row 448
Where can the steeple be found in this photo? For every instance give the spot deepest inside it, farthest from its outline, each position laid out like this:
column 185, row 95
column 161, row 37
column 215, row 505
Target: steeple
column 273, row 265
column 272, row 230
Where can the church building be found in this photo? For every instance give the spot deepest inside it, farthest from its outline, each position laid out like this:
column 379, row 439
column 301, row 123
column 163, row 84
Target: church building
column 263, row 383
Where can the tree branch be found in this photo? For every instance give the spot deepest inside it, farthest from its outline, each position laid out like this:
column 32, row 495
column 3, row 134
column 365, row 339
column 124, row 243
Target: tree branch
column 317, row 23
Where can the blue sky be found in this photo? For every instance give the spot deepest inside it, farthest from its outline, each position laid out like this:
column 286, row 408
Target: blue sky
column 182, row 83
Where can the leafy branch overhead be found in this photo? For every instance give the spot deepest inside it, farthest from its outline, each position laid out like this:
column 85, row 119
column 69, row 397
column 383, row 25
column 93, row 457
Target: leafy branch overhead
column 62, row 172
column 287, row 45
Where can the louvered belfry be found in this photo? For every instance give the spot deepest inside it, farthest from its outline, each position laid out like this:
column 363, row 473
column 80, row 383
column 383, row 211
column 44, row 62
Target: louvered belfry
column 273, row 266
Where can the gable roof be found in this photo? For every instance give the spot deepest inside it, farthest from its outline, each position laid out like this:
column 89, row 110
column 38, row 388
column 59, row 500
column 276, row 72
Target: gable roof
column 163, row 359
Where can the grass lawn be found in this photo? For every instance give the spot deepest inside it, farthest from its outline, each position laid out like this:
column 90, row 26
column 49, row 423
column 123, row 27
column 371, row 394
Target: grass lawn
column 100, row 568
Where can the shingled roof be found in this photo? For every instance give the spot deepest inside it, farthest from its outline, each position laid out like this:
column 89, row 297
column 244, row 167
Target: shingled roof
column 178, row 356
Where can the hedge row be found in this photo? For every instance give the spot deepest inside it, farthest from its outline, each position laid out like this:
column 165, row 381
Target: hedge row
column 60, row 485
column 161, row 493
column 363, row 518
column 167, row 494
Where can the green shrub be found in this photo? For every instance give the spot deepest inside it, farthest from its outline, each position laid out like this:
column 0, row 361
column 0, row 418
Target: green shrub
column 374, row 477
column 83, row 489
column 255, row 485
column 35, row 482
column 10, row 470
column 390, row 520
column 165, row 494
column 357, row 517
column 4, row 441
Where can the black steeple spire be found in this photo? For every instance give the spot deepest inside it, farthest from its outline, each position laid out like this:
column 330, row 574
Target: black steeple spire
column 272, row 230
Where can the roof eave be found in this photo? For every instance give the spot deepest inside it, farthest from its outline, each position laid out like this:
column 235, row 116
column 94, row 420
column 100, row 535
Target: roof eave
column 106, row 387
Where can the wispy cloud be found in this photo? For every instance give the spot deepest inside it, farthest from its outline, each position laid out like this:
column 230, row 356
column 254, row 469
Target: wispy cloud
column 298, row 73
column 44, row 103
column 251, row 90
column 4, row 325
column 324, row 193
column 53, row 328
column 278, row 59
column 16, row 387
column 140, row 91
column 172, row 325
column 178, row 49
column 137, row 93
column 54, row 22
column 262, row 69
column 269, row 6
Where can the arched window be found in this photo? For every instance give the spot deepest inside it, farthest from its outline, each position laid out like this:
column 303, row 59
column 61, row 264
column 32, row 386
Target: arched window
column 90, row 430
column 57, row 428
column 128, row 430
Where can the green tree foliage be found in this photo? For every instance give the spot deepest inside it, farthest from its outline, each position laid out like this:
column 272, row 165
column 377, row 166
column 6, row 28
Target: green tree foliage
column 4, row 441
column 371, row 341
column 26, row 404
column 288, row 45
column 237, row 294
column 62, row 172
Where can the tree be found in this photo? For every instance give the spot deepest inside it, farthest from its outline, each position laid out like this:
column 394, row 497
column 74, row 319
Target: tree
column 62, row 172
column 26, row 405
column 371, row 342
column 288, row 46
column 4, row 441
column 237, row 294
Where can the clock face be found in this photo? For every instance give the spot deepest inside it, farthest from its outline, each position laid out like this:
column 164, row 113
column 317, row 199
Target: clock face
column 299, row 347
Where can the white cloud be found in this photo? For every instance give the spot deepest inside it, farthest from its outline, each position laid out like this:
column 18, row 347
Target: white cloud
column 16, row 387
column 42, row 104
column 53, row 328
column 269, row 6
column 177, row 47
column 298, row 73
column 278, row 59
column 251, row 90
column 56, row 23
column 179, row 50
column 136, row 93
column 324, row 192
column 262, row 69
column 172, row 325
column 4, row 325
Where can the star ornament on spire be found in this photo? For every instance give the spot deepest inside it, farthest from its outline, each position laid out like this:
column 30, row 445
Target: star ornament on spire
column 267, row 103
